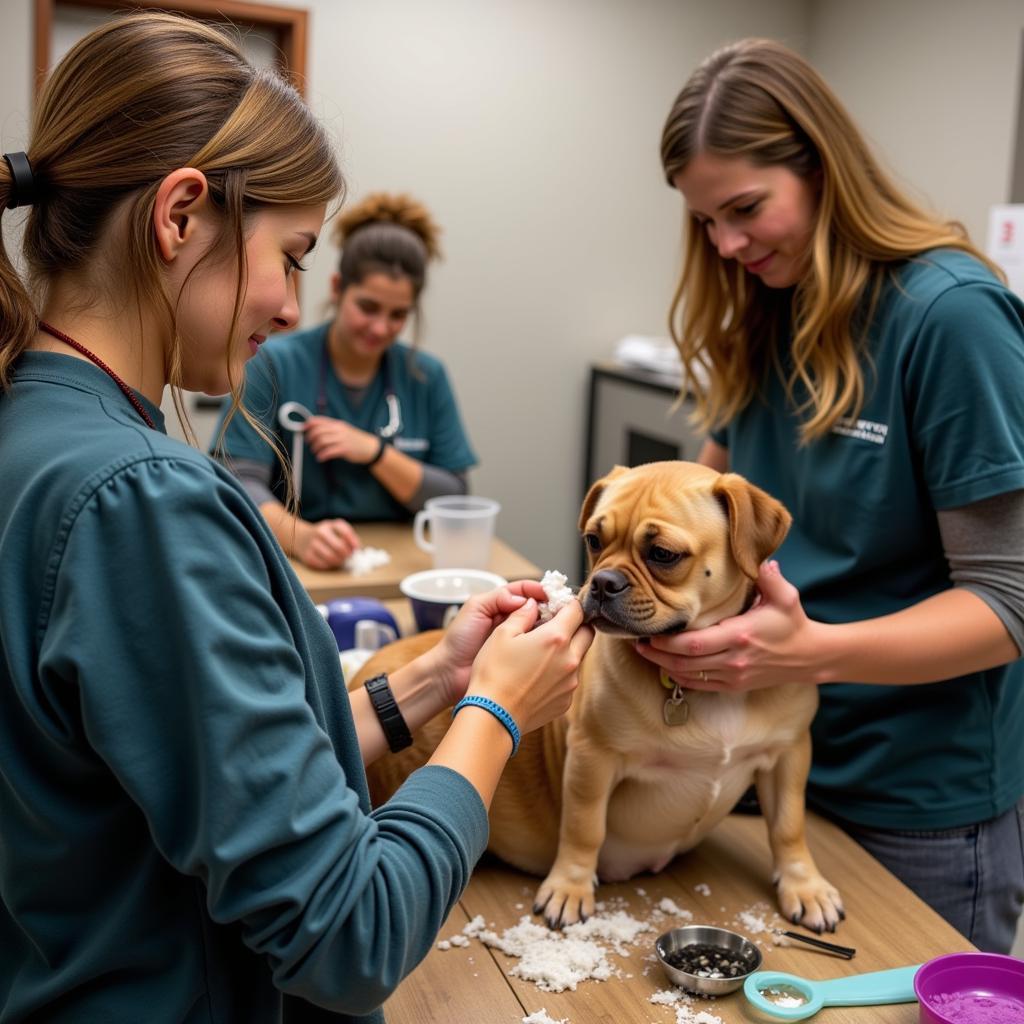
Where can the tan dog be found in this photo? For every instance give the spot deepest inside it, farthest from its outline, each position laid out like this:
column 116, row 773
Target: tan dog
column 640, row 771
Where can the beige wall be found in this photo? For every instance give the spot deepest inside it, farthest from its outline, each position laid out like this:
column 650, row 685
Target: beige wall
column 531, row 129
column 936, row 86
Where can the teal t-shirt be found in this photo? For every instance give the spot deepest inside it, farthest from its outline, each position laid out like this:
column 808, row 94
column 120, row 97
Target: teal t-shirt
column 290, row 368
column 185, row 833
column 942, row 427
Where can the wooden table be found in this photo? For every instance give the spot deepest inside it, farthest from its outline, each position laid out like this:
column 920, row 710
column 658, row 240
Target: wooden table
column 887, row 924
column 396, row 539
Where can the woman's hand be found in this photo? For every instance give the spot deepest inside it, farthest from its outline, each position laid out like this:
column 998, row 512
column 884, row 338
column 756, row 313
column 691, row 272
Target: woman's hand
column 335, row 439
column 469, row 630
column 772, row 643
column 533, row 672
column 326, row 544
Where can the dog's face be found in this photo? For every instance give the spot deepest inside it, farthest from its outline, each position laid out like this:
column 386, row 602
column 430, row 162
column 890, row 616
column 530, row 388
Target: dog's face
column 673, row 546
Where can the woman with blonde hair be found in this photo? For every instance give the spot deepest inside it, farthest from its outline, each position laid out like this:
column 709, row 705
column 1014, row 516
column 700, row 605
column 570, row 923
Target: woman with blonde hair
column 185, row 829
column 371, row 423
column 859, row 359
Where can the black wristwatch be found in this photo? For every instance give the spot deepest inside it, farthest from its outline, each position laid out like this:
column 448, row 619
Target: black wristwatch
column 384, row 442
column 396, row 732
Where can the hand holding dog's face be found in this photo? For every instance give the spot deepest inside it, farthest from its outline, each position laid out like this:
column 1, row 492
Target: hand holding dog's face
column 673, row 550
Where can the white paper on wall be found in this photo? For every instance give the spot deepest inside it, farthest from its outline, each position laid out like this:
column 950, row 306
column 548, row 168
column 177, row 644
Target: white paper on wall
column 1006, row 242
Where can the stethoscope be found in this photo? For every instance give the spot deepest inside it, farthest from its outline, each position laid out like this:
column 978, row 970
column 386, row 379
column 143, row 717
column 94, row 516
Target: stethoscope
column 293, row 415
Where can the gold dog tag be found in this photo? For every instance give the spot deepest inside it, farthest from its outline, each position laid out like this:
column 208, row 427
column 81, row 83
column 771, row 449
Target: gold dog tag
column 676, row 711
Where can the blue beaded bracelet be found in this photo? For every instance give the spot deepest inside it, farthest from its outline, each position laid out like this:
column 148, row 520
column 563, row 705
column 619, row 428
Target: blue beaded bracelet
column 495, row 709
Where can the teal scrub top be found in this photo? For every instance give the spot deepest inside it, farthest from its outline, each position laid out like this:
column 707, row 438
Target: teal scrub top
column 185, row 832
column 290, row 368
column 942, row 427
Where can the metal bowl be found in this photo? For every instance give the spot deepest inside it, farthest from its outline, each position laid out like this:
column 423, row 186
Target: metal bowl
column 695, row 934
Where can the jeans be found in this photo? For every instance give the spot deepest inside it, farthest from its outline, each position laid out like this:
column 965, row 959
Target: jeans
column 972, row 876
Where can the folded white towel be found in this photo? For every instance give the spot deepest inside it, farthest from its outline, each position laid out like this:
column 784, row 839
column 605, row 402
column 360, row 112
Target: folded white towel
column 659, row 355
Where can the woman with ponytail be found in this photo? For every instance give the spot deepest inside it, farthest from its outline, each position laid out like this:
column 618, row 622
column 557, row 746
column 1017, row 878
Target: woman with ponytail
column 185, row 826
column 371, row 423
column 857, row 357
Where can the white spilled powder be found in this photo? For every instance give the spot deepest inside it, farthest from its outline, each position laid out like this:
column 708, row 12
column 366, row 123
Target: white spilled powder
column 364, row 560
column 703, row 888
column 682, row 1003
column 553, row 961
column 618, row 928
column 558, row 592
column 684, row 1015
column 753, row 921
column 475, row 927
column 612, row 903
column 558, row 964
column 668, row 997
column 556, row 961
column 668, row 906
column 541, row 1017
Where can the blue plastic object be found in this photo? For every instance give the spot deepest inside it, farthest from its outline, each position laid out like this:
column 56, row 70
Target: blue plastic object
column 873, row 989
column 343, row 613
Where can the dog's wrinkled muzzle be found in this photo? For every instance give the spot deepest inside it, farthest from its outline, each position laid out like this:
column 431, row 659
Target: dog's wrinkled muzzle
column 610, row 604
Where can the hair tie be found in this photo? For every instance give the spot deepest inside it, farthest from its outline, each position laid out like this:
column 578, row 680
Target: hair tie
column 23, row 187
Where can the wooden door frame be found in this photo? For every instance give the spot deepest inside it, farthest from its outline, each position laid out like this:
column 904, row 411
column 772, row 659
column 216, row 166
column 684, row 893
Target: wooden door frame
column 288, row 26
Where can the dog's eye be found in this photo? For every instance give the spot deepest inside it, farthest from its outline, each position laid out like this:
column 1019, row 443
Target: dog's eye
column 593, row 541
column 662, row 556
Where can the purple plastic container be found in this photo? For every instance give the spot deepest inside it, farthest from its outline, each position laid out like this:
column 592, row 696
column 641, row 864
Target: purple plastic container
column 971, row 988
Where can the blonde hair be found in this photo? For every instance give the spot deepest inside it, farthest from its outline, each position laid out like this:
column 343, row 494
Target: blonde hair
column 393, row 234
column 132, row 101
column 760, row 101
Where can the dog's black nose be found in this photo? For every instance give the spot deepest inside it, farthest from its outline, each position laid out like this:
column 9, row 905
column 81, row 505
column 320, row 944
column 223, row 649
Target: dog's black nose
column 608, row 583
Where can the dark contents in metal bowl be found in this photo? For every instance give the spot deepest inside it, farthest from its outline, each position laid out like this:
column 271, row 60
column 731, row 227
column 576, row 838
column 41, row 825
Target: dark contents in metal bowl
column 704, row 960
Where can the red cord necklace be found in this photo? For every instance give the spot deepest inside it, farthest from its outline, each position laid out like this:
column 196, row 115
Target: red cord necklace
column 78, row 347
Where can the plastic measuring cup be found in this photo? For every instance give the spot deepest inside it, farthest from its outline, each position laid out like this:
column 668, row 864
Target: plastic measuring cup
column 799, row 998
column 461, row 530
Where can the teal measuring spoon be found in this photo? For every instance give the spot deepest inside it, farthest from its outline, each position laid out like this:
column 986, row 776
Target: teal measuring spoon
column 790, row 997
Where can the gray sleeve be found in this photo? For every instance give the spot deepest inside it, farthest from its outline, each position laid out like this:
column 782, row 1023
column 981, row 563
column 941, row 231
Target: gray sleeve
column 436, row 481
column 255, row 477
column 984, row 544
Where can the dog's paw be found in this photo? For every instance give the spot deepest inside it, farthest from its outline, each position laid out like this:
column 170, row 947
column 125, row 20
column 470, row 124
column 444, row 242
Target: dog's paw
column 808, row 899
column 563, row 901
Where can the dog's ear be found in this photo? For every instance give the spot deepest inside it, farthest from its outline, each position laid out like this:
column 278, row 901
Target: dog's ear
column 594, row 493
column 758, row 523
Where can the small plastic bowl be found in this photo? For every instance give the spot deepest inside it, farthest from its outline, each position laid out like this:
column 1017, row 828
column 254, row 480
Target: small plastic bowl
column 705, row 934
column 436, row 595
column 970, row 988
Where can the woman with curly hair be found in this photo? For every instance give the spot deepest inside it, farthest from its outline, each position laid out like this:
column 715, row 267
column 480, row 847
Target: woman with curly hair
column 371, row 424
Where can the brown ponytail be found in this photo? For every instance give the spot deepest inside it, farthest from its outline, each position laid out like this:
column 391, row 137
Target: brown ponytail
column 17, row 311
